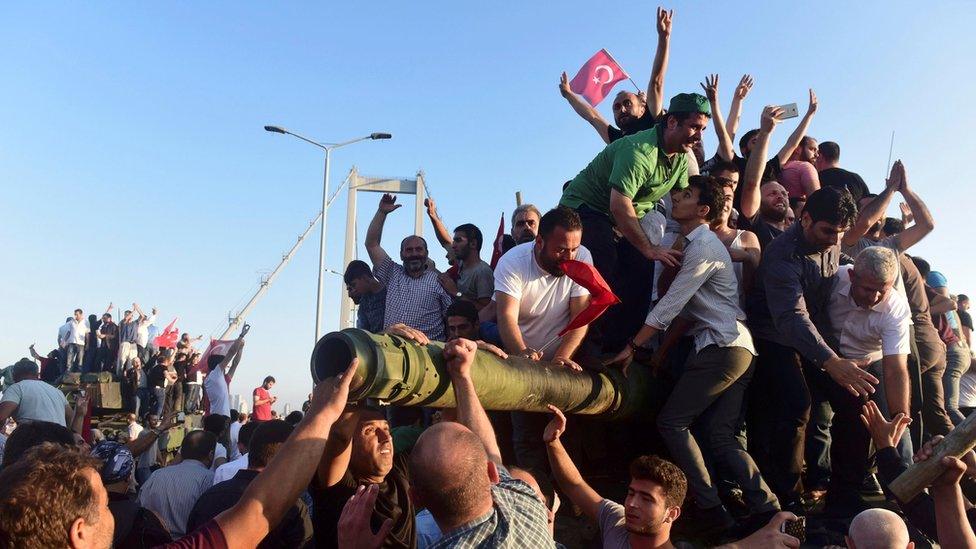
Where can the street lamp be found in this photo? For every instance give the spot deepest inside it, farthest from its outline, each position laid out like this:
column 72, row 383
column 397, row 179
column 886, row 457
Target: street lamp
column 328, row 148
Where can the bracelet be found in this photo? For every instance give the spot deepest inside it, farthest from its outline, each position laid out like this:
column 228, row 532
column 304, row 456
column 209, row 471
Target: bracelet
column 633, row 346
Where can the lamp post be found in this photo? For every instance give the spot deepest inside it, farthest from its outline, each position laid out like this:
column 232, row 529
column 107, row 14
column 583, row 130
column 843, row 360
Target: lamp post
column 328, row 148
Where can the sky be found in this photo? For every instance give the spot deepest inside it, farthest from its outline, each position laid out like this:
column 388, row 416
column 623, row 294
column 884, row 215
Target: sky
column 134, row 166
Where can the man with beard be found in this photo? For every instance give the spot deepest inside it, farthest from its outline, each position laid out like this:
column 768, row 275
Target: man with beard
column 764, row 204
column 414, row 295
column 535, row 300
column 525, row 223
column 475, row 280
column 788, row 317
column 360, row 451
column 366, row 292
column 614, row 192
column 631, row 112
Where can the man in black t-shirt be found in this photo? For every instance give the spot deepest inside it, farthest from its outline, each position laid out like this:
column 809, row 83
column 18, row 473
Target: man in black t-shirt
column 360, row 451
column 832, row 175
column 962, row 308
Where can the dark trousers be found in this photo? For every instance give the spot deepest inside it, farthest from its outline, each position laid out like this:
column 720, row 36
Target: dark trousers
column 76, row 357
column 779, row 409
column 144, row 397
column 817, row 447
column 174, row 399
column 935, row 419
column 530, row 450
column 629, row 274
column 159, row 399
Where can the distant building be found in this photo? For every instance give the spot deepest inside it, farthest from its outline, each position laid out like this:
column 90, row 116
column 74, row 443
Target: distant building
column 287, row 409
column 239, row 403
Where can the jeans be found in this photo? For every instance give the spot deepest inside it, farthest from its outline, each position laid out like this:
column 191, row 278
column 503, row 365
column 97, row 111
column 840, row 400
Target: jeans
column 817, row 450
column 711, row 390
column 76, row 357
column 160, row 399
column 143, row 398
column 903, row 446
column 957, row 362
column 194, row 394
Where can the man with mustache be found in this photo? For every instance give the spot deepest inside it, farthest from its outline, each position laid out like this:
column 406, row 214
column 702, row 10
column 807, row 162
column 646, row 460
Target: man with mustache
column 613, row 193
column 414, row 296
column 764, row 203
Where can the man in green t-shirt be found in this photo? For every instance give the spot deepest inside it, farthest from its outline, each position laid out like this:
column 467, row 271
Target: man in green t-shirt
column 616, row 189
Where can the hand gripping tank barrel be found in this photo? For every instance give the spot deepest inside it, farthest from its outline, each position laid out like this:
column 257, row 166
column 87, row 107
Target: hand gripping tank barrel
column 400, row 372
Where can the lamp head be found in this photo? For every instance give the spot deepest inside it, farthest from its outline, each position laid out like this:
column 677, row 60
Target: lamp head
column 380, row 136
column 275, row 129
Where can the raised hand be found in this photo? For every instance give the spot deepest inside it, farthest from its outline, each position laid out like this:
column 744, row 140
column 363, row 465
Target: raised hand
column 431, row 207
column 330, row 395
column 355, row 528
column 564, row 85
column 459, row 355
column 771, row 116
column 744, row 87
column 556, row 427
column 244, row 330
column 388, row 203
column 664, row 21
column 884, row 433
column 812, row 108
column 711, row 87
column 902, row 175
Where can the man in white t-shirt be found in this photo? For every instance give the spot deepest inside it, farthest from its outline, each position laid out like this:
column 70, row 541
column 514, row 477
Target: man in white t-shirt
column 142, row 332
column 75, row 341
column 134, row 427
column 535, row 301
column 30, row 399
column 222, row 369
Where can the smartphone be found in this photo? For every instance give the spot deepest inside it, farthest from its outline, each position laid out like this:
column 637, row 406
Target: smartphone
column 796, row 528
column 789, row 111
column 181, row 417
column 81, row 392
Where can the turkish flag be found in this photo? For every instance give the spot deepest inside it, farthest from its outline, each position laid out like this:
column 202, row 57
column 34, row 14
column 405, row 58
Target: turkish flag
column 169, row 337
column 601, row 296
column 218, row 347
column 597, row 77
column 496, row 249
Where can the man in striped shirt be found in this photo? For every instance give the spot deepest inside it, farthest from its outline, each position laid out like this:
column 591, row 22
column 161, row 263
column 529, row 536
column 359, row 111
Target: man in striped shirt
column 714, row 381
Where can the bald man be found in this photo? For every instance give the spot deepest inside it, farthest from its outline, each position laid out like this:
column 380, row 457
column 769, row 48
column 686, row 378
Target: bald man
column 878, row 529
column 456, row 473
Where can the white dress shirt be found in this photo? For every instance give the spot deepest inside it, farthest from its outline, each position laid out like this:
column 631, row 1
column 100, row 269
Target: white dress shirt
column 871, row 333
column 229, row 469
column 77, row 330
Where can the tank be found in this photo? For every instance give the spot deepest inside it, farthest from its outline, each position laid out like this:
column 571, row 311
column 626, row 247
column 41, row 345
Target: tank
column 399, row 372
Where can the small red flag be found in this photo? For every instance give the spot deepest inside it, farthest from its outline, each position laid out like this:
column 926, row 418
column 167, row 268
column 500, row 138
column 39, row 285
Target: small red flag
column 597, row 77
column 496, row 250
column 169, row 337
column 601, row 296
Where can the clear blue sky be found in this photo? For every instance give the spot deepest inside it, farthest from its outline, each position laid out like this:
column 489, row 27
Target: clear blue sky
column 134, row 166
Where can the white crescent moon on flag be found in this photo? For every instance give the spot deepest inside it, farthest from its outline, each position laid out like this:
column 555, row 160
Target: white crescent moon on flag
column 596, row 74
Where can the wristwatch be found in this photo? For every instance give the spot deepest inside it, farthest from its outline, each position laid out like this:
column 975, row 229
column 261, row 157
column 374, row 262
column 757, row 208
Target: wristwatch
column 458, row 295
column 633, row 346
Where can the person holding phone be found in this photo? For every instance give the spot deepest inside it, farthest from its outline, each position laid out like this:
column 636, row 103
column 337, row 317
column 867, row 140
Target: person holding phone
column 263, row 400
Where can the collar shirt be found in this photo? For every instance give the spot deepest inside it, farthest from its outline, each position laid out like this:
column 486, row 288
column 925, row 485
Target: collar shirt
column 417, row 302
column 705, row 290
column 63, row 333
column 873, row 333
column 371, row 311
column 142, row 331
column 229, row 469
column 77, row 331
column 171, row 492
column 788, row 302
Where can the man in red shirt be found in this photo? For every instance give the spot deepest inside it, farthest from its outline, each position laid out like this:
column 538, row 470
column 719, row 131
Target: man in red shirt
column 263, row 400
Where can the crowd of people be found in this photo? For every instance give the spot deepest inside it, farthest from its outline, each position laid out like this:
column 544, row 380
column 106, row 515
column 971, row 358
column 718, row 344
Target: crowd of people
column 804, row 356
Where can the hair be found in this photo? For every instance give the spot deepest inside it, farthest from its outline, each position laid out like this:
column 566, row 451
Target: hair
column 560, row 216
column 962, row 297
column 266, row 441
column 832, row 205
column 198, row 445
column 711, row 193
column 923, row 266
column 450, row 478
column 24, row 367
column 422, row 239
column 525, row 208
column 830, row 151
column 472, row 233
column 877, row 262
column 109, row 315
column 247, row 432
column 269, row 378
column 294, row 417
column 663, row 473
column 29, row 434
column 806, row 139
column 42, row 495
column 464, row 309
column 215, row 423
column 356, row 269
column 744, row 140
column 721, row 165
column 893, row 226
column 214, row 360
column 79, row 311
column 234, row 415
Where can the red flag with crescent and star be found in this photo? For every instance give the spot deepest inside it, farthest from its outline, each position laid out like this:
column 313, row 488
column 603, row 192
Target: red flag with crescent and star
column 217, row 347
column 601, row 296
column 597, row 77
column 496, row 249
column 169, row 338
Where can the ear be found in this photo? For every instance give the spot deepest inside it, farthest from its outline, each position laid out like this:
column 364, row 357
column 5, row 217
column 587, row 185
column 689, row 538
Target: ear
column 493, row 475
column 805, row 220
column 672, row 514
column 77, row 533
column 672, row 122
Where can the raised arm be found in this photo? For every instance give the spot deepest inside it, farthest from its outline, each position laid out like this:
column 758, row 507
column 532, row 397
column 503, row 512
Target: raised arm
column 459, row 355
column 443, row 235
column 35, row 356
column 338, row 450
column 950, row 506
column 274, row 491
column 108, row 311
column 567, row 476
column 135, row 307
column 793, row 141
column 725, row 150
column 77, row 423
column 584, row 110
column 924, row 223
column 752, row 179
column 377, row 255
column 741, row 91
column 874, row 211
column 655, row 87
column 233, row 354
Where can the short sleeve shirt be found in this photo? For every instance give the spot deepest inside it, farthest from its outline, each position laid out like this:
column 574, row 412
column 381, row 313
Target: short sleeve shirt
column 370, row 312
column 476, row 281
column 842, row 179
column 966, row 319
column 873, row 333
column 636, row 167
column 797, row 176
column 36, row 401
column 613, row 528
column 543, row 298
column 218, row 393
column 262, row 412
column 417, row 302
